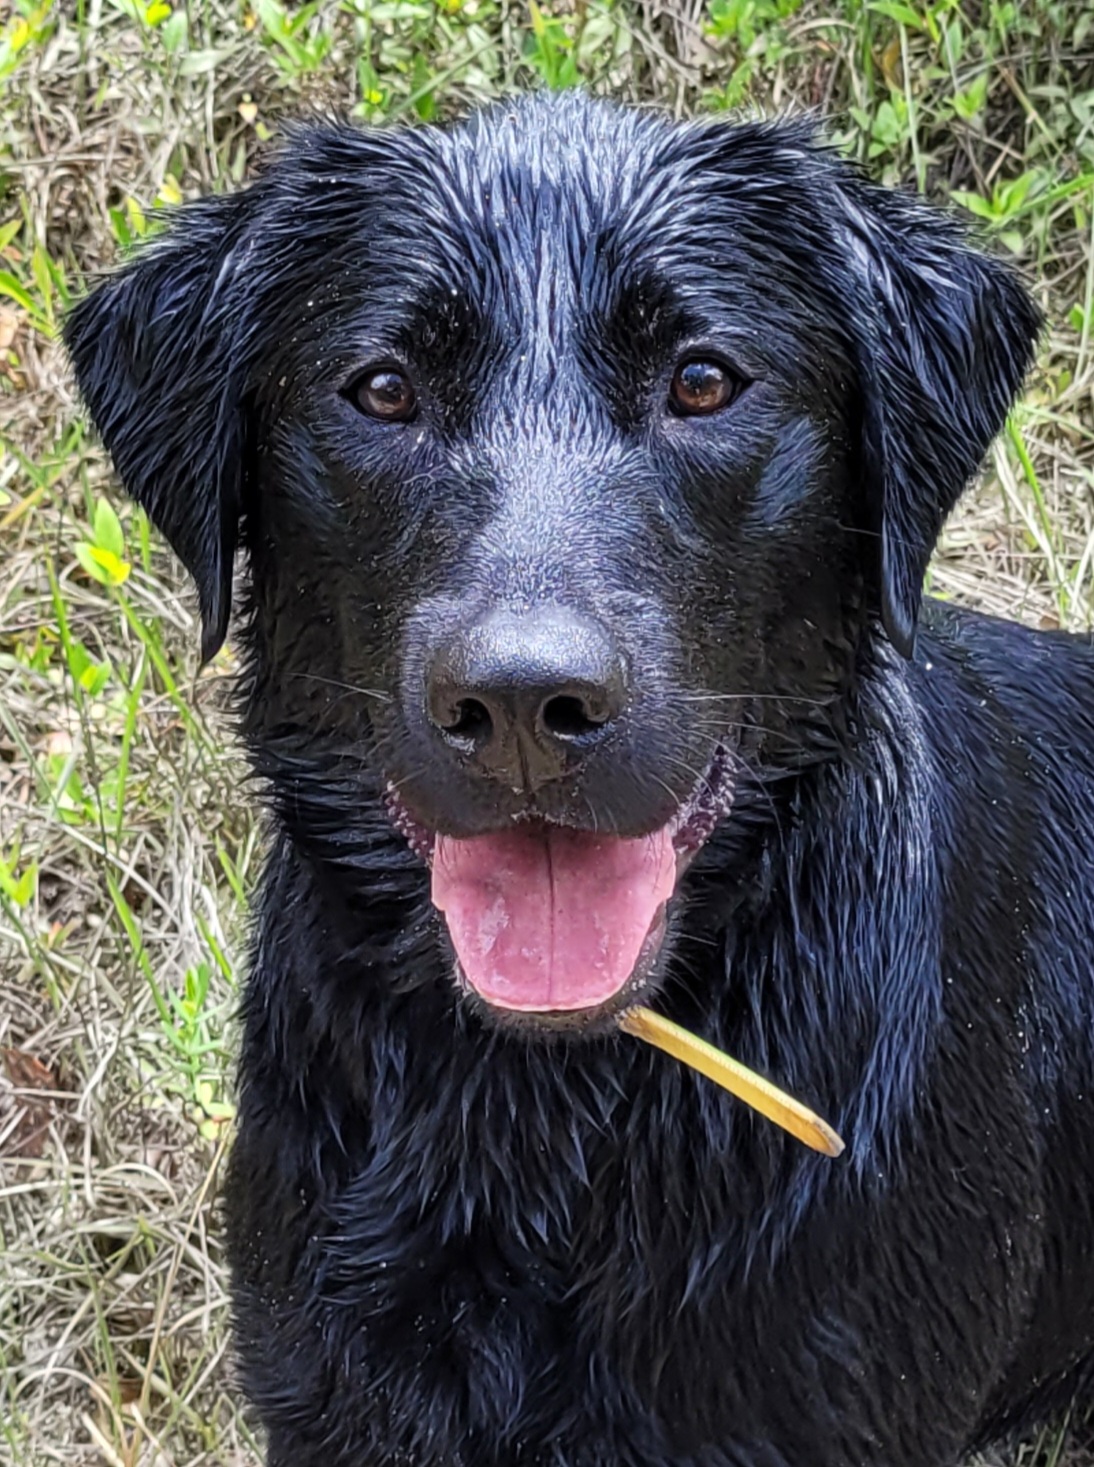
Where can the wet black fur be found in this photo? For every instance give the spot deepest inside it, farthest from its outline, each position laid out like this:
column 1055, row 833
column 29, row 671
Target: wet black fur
column 455, row 1244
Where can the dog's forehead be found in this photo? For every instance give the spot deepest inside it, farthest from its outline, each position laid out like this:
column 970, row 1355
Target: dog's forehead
column 570, row 154
column 541, row 171
column 599, row 164
column 537, row 185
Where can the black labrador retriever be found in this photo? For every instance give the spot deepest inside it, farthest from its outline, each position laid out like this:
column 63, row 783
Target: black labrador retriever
column 586, row 469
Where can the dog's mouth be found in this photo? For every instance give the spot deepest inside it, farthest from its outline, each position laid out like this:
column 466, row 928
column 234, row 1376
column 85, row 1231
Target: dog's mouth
column 549, row 920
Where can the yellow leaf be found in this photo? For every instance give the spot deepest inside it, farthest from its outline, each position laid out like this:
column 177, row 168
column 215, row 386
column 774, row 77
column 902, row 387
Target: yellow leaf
column 115, row 570
column 169, row 193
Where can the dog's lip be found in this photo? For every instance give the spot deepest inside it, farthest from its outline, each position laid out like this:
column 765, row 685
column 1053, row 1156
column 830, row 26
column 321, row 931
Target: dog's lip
column 691, row 825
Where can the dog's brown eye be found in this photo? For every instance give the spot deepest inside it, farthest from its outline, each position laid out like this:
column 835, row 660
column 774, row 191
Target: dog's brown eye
column 386, row 393
column 703, row 387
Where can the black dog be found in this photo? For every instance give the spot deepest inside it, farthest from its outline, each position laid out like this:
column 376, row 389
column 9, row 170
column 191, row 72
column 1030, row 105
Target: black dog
column 586, row 469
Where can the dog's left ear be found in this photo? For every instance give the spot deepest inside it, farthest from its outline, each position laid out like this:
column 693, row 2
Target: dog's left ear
column 158, row 350
column 944, row 336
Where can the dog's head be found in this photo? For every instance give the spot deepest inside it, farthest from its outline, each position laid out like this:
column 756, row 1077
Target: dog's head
column 579, row 458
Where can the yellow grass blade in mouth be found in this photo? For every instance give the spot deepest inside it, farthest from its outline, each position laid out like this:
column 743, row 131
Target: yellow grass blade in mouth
column 753, row 1089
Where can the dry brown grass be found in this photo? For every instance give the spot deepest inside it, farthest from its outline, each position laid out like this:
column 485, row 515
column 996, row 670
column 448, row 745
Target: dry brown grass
column 112, row 1290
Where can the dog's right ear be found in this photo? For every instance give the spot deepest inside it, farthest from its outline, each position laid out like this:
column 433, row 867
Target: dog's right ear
column 158, row 350
column 944, row 337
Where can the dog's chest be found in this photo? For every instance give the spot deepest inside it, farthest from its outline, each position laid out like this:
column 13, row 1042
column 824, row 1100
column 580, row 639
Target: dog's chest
column 513, row 1280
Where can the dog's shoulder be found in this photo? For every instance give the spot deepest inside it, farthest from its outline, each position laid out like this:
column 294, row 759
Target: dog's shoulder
column 1007, row 712
column 1045, row 675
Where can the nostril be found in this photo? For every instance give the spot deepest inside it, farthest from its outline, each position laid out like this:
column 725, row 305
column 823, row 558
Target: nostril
column 567, row 717
column 468, row 720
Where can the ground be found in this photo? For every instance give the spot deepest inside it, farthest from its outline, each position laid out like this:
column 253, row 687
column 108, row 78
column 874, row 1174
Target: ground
column 127, row 842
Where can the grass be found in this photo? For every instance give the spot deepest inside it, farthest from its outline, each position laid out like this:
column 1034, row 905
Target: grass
column 126, row 846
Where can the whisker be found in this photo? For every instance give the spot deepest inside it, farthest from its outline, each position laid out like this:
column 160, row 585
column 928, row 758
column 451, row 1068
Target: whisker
column 671, row 794
column 596, row 823
column 395, row 785
column 752, row 698
column 376, row 693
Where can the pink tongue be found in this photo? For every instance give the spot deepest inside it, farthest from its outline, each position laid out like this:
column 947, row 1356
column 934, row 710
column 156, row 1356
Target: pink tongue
column 547, row 918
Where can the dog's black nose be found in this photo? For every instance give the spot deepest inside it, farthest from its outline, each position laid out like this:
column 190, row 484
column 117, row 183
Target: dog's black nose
column 527, row 696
